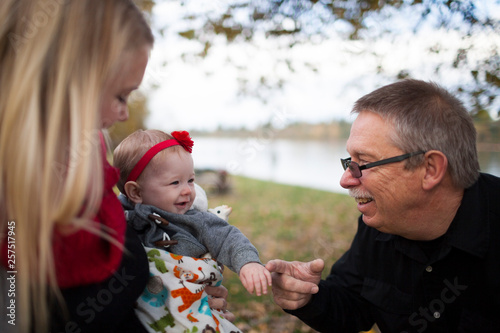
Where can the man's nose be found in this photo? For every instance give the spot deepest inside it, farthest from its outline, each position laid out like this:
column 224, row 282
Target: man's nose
column 347, row 180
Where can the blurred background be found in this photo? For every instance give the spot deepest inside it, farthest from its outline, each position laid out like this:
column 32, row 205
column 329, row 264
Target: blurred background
column 265, row 88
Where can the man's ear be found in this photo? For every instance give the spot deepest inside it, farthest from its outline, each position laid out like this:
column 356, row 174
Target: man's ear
column 436, row 166
column 133, row 192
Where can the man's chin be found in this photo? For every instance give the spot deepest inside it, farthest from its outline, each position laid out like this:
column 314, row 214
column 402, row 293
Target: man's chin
column 372, row 222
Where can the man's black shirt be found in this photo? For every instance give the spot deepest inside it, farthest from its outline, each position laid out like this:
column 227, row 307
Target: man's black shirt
column 449, row 285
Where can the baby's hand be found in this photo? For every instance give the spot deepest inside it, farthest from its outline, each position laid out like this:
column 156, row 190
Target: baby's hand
column 255, row 276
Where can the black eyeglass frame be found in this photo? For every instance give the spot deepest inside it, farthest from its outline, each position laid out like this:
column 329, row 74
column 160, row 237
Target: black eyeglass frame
column 355, row 168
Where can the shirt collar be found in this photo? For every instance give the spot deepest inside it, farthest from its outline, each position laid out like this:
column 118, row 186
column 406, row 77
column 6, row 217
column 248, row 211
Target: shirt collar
column 470, row 229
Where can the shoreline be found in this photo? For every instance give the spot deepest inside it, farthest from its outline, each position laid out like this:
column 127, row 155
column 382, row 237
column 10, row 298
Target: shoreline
column 488, row 147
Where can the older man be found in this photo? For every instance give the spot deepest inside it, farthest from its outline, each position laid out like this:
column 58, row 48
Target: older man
column 426, row 256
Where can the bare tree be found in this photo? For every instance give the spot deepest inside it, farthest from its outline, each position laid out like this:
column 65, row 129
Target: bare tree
column 295, row 22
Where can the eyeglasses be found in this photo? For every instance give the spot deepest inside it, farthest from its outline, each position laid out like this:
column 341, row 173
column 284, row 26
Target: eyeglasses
column 355, row 168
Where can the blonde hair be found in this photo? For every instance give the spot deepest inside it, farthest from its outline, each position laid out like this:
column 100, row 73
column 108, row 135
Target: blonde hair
column 133, row 147
column 55, row 57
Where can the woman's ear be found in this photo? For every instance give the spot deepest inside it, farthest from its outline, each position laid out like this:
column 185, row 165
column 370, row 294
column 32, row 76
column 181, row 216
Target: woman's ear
column 133, row 192
column 436, row 166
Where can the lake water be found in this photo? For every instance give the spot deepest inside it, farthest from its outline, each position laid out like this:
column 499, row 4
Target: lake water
column 313, row 164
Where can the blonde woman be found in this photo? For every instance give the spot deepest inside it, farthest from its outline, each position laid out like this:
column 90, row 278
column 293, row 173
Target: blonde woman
column 66, row 70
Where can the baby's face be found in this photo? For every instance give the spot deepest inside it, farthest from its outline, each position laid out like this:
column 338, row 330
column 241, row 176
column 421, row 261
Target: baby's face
column 171, row 185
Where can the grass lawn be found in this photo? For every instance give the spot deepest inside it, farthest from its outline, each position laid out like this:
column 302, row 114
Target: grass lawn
column 285, row 222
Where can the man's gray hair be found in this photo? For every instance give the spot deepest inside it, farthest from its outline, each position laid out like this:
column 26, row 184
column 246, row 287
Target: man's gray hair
column 427, row 117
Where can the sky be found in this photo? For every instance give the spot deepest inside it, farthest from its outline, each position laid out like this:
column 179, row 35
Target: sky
column 203, row 94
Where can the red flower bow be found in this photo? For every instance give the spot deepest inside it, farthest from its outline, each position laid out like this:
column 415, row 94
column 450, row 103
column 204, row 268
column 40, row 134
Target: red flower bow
column 184, row 140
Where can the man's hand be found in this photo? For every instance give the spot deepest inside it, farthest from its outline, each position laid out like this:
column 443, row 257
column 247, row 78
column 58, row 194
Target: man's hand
column 295, row 282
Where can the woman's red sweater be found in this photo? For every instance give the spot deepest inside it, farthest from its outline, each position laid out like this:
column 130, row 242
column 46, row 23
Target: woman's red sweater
column 83, row 257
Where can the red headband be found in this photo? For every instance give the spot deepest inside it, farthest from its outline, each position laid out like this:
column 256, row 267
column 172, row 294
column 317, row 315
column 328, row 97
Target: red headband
column 181, row 139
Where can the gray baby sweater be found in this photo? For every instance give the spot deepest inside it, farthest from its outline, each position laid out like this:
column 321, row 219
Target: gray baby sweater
column 196, row 232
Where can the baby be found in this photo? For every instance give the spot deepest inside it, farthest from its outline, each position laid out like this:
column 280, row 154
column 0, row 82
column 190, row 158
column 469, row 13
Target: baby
column 157, row 182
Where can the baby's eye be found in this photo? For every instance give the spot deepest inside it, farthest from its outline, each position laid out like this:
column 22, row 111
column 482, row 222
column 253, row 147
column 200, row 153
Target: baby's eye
column 175, row 182
column 122, row 99
column 191, row 180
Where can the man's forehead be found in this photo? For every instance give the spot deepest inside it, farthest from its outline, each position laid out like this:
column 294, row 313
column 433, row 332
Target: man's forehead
column 369, row 134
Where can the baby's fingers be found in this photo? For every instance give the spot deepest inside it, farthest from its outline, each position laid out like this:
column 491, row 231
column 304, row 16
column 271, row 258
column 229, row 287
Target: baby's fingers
column 255, row 277
column 262, row 289
column 262, row 281
column 268, row 279
column 259, row 284
column 248, row 284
